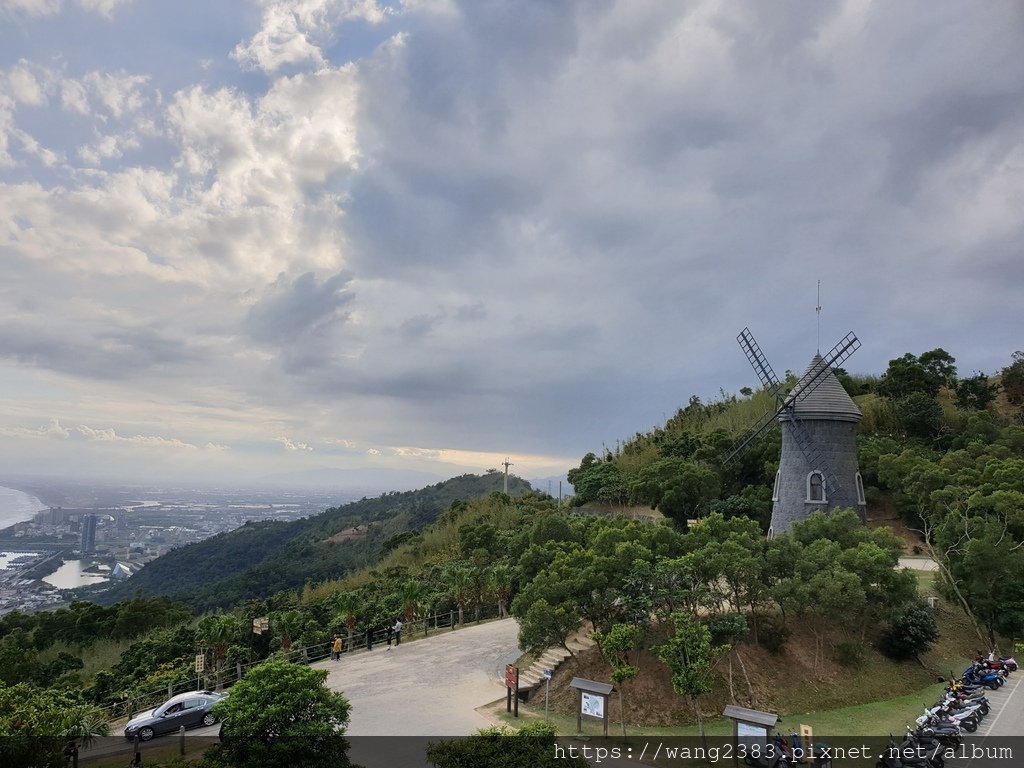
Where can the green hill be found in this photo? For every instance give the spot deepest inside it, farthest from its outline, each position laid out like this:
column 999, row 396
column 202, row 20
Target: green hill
column 260, row 559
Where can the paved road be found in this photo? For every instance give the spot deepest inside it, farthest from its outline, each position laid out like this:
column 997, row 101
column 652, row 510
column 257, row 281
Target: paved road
column 427, row 687
column 1006, row 718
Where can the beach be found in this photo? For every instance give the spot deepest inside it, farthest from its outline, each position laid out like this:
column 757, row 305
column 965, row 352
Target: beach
column 17, row 507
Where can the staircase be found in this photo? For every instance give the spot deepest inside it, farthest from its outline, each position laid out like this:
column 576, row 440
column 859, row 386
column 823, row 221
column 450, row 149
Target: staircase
column 533, row 677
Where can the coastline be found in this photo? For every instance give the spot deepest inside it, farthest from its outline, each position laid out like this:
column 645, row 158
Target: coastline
column 17, row 506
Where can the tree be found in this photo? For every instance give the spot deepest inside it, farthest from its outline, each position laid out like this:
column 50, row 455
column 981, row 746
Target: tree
column 287, row 625
column 217, row 633
column 347, row 606
column 689, row 655
column 532, row 745
column 281, row 715
column 975, row 393
column 1013, row 379
column 920, row 414
column 543, row 626
column 618, row 645
column 910, row 631
column 911, row 374
column 36, row 725
column 460, row 580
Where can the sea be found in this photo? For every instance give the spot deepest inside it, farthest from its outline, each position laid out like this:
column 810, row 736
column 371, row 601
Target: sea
column 16, row 507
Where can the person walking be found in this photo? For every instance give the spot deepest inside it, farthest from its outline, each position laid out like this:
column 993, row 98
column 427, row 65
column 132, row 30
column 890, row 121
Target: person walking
column 390, row 635
column 398, row 631
column 337, row 648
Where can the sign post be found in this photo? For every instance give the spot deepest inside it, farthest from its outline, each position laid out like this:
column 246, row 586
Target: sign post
column 512, row 690
column 547, row 683
column 593, row 701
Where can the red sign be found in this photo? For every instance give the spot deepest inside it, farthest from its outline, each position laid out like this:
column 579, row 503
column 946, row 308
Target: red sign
column 512, row 677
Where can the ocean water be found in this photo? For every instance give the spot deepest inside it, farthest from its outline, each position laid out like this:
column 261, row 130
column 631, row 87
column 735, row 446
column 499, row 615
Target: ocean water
column 17, row 507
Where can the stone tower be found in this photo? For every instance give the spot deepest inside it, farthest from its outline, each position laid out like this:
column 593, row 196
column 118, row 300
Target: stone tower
column 818, row 467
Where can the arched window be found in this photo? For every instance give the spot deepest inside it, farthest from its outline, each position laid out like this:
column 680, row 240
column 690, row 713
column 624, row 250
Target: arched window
column 775, row 490
column 860, row 489
column 816, row 487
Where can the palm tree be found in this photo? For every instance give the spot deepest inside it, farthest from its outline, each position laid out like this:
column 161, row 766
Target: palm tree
column 460, row 579
column 413, row 593
column 347, row 606
column 217, row 633
column 287, row 625
column 499, row 579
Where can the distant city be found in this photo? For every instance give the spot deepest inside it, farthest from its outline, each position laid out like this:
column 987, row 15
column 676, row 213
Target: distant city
column 83, row 537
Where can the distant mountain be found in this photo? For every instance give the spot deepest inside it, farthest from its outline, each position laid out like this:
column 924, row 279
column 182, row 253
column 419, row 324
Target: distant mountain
column 262, row 558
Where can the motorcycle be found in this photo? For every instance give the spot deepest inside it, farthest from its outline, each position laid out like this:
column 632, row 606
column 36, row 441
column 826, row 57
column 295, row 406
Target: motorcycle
column 911, row 754
column 968, row 721
column 991, row 679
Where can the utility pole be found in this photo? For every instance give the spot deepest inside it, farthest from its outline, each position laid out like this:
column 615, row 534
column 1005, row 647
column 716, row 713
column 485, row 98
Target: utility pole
column 507, row 464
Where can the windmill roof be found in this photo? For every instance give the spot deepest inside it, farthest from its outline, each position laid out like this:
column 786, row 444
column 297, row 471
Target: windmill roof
column 826, row 399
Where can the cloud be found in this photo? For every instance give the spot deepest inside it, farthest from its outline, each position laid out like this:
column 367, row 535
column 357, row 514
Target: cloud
column 146, row 441
column 52, row 7
column 293, row 31
column 52, row 430
column 290, row 445
column 475, row 228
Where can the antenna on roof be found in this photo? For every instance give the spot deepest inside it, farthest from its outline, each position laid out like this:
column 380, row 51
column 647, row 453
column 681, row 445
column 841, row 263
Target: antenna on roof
column 817, row 311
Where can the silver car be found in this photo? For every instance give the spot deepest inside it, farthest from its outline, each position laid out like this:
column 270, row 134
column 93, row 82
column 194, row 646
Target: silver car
column 186, row 709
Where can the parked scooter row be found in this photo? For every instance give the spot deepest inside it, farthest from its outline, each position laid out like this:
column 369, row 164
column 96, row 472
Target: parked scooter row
column 962, row 708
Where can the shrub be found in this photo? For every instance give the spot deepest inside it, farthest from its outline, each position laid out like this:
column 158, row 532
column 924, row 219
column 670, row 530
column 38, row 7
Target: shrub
column 727, row 628
column 850, row 654
column 910, row 631
column 772, row 633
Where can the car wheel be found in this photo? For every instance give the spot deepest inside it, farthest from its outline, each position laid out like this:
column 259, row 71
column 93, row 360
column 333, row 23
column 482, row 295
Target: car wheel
column 209, row 719
column 145, row 734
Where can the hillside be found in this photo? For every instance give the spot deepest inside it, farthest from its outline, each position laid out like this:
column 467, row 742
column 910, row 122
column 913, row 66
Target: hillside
column 258, row 560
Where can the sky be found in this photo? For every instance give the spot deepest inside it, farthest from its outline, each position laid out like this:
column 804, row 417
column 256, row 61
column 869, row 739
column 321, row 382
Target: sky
column 247, row 239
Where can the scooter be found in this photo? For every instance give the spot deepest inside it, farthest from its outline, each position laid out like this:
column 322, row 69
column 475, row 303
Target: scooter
column 948, row 735
column 967, row 721
column 908, row 754
column 991, row 679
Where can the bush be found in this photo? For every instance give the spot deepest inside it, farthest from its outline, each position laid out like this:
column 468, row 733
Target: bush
column 910, row 631
column 532, row 745
column 727, row 628
column 772, row 633
column 850, row 654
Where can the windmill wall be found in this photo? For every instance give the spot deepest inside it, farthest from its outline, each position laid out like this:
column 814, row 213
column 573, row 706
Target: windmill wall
column 836, row 440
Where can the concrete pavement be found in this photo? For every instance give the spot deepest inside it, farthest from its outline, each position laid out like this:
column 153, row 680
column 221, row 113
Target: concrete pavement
column 428, row 686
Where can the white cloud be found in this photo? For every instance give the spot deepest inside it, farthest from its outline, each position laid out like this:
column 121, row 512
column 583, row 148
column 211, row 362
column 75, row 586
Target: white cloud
column 23, row 86
column 148, row 441
column 292, row 31
column 102, row 7
column 51, row 7
column 51, row 430
column 291, row 445
column 31, row 7
column 120, row 93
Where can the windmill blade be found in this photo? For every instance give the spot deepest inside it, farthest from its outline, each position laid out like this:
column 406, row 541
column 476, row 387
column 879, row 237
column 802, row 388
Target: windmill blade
column 759, row 362
column 833, row 359
column 766, row 421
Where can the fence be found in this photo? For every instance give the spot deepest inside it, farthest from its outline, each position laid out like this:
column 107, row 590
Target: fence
column 362, row 641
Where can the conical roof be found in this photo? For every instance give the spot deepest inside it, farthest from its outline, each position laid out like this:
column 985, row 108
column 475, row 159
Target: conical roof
column 826, row 399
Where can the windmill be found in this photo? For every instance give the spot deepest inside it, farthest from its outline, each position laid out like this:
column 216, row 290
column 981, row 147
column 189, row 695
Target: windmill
column 818, row 464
